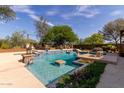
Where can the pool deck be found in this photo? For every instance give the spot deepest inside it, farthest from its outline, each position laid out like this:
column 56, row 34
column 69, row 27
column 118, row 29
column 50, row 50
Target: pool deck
column 113, row 76
column 13, row 73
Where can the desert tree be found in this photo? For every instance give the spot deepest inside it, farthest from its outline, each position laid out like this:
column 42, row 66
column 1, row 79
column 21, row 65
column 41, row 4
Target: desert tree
column 96, row 38
column 6, row 13
column 60, row 35
column 111, row 30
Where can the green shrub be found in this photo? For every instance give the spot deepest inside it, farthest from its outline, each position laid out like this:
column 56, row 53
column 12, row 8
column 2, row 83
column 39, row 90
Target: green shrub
column 16, row 47
column 5, row 46
column 86, row 78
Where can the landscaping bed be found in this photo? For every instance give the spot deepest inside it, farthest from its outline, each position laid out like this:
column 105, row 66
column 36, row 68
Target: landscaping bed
column 87, row 77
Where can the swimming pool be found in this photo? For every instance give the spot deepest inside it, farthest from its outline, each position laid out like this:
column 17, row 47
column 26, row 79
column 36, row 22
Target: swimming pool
column 45, row 68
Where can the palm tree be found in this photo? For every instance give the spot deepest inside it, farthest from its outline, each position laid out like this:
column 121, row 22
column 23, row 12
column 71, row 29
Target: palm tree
column 42, row 27
column 6, row 13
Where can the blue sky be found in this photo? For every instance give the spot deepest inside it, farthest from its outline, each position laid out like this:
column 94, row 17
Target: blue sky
column 84, row 20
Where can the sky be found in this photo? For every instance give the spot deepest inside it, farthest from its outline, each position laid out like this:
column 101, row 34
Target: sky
column 85, row 20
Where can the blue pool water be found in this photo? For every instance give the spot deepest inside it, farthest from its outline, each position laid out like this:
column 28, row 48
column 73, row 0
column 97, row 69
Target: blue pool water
column 45, row 68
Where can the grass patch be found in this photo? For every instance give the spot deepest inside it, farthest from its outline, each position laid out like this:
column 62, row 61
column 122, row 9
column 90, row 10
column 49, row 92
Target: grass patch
column 87, row 77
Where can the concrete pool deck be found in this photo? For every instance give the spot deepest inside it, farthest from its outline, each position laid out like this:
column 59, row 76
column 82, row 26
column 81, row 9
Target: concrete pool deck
column 13, row 73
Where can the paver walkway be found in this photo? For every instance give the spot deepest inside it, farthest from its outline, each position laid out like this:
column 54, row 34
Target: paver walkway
column 113, row 76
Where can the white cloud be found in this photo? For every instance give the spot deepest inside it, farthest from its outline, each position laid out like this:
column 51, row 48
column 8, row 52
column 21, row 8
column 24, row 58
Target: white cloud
column 50, row 24
column 116, row 13
column 67, row 16
column 82, row 8
column 27, row 9
column 38, row 19
column 35, row 17
column 18, row 18
column 23, row 9
column 85, row 11
column 51, row 12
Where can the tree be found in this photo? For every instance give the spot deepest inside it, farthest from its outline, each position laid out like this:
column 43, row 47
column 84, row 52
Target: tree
column 111, row 31
column 60, row 35
column 6, row 13
column 42, row 28
column 18, row 39
column 94, row 39
column 5, row 43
